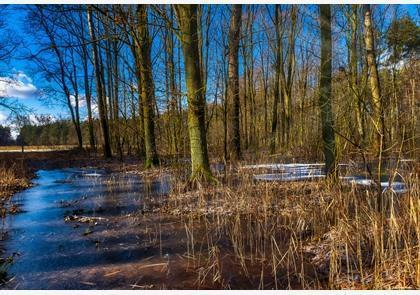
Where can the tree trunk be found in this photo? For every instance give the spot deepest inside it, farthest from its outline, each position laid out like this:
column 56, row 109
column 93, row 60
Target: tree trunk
column 325, row 91
column 148, row 91
column 278, row 66
column 73, row 78
column 116, row 106
column 287, row 82
column 140, row 144
column 187, row 19
column 233, row 83
column 88, row 97
column 99, row 87
column 354, row 75
column 250, row 77
column 75, row 118
column 375, row 87
column 174, row 118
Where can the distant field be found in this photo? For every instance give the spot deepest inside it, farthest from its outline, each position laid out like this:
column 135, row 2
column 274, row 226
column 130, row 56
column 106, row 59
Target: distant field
column 36, row 148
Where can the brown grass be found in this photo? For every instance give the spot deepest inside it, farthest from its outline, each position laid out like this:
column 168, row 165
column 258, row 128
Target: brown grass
column 13, row 178
column 37, row 148
column 300, row 235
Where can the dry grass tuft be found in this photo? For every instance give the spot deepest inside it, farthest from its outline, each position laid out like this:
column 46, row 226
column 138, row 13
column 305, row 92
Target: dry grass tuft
column 12, row 179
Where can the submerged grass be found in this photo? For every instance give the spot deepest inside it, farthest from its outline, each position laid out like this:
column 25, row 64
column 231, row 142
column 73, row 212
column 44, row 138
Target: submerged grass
column 299, row 235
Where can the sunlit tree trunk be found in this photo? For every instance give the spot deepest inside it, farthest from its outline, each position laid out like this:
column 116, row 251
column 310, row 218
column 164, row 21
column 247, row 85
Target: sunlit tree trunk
column 187, row 20
column 244, row 111
column 264, row 82
column 233, row 83
column 111, row 53
column 287, row 81
column 414, row 124
column 147, row 90
column 325, row 91
column 354, row 75
column 250, row 77
column 278, row 66
column 375, row 87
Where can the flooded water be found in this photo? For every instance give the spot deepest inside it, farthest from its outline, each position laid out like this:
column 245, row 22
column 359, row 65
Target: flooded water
column 89, row 229
column 84, row 229
column 312, row 171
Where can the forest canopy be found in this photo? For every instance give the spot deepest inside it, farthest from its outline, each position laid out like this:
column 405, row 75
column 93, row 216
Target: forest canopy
column 224, row 80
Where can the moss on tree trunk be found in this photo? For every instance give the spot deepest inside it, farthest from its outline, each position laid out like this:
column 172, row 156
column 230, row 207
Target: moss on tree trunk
column 147, row 87
column 187, row 19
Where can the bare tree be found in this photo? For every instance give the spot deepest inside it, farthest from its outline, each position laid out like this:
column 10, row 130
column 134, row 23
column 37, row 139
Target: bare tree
column 375, row 87
column 233, row 82
column 325, row 90
column 147, row 84
column 99, row 86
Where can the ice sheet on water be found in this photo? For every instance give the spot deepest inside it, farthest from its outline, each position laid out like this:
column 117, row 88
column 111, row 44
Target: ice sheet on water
column 303, row 171
column 92, row 174
column 396, row 186
column 365, row 182
column 277, row 166
column 285, row 177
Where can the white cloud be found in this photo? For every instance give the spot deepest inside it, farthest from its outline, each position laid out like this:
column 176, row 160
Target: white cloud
column 33, row 119
column 83, row 106
column 4, row 121
column 95, row 110
column 38, row 120
column 3, row 118
column 19, row 85
column 82, row 101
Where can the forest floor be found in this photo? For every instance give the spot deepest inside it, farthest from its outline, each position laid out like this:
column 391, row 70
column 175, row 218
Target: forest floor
column 242, row 233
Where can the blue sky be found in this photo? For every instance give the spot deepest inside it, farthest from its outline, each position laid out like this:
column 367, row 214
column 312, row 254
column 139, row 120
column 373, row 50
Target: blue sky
column 19, row 79
column 21, row 83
